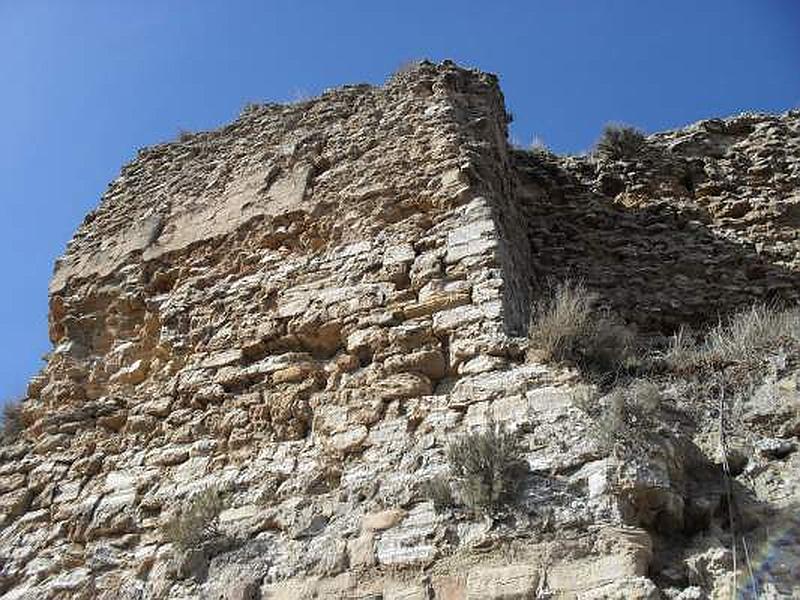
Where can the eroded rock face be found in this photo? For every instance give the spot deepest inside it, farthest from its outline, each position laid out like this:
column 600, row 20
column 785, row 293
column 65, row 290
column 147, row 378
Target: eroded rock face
column 303, row 308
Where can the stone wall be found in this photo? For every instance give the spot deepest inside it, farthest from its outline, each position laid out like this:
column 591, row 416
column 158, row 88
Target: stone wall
column 302, row 310
column 699, row 224
column 256, row 307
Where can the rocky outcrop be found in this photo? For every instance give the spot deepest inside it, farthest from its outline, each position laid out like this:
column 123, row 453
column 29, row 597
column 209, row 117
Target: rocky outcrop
column 302, row 309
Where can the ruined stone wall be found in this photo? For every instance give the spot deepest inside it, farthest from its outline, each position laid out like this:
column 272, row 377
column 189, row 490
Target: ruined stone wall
column 302, row 310
column 700, row 223
column 251, row 307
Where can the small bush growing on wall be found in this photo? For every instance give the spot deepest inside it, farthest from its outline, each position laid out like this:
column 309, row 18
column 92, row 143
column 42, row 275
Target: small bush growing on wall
column 439, row 491
column 197, row 522
column 744, row 339
column 566, row 326
column 485, row 466
column 619, row 142
column 12, row 421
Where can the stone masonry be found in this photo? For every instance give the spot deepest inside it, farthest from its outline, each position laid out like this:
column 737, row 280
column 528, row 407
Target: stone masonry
column 303, row 308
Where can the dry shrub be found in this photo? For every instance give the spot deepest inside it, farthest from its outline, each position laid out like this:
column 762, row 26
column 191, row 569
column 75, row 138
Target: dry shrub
column 744, row 339
column 197, row 522
column 566, row 326
column 645, row 396
column 12, row 424
column 485, row 466
column 628, row 411
column 619, row 142
column 560, row 319
column 750, row 335
column 439, row 491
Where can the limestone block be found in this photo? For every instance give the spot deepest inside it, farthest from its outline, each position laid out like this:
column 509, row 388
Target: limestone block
column 295, row 373
column 399, row 254
column 131, row 375
column 439, row 295
column 450, row 587
column 626, row 556
column 426, row 266
column 341, row 587
column 512, row 582
column 482, row 364
column 403, row 591
column 625, row 588
column 351, row 440
column 9, row 483
column 451, row 320
column 409, row 542
column 222, row 358
column 401, row 386
column 549, row 403
column 170, row 455
column 71, row 581
column 384, row 519
column 430, row 362
column 114, row 514
column 13, row 504
column 361, row 550
column 366, row 341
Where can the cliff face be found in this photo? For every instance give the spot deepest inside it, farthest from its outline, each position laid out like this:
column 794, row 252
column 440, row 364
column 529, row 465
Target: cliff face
column 304, row 309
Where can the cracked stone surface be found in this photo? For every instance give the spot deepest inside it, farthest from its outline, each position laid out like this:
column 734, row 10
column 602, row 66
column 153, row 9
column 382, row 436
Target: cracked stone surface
column 303, row 308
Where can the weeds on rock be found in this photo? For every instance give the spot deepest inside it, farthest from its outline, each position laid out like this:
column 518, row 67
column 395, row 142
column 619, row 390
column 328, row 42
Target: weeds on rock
column 736, row 350
column 746, row 337
column 12, row 422
column 626, row 411
column 567, row 326
column 485, row 466
column 619, row 142
column 197, row 522
column 439, row 491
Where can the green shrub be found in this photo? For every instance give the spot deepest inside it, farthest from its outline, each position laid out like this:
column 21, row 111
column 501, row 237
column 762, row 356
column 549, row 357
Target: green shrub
column 619, row 142
column 485, row 466
column 566, row 326
column 12, row 424
column 197, row 522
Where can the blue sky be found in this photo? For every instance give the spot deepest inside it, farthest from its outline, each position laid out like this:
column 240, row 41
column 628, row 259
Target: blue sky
column 83, row 84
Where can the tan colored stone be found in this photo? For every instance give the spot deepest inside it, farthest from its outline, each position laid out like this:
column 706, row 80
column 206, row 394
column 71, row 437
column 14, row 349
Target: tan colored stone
column 403, row 591
column 294, row 373
column 9, row 483
column 351, row 440
column 450, row 587
column 401, row 386
column 13, row 504
column 384, row 519
column 361, row 550
column 131, row 375
column 512, row 582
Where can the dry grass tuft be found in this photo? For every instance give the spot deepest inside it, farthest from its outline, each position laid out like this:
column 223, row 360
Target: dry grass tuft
column 744, row 339
column 439, row 491
column 566, row 326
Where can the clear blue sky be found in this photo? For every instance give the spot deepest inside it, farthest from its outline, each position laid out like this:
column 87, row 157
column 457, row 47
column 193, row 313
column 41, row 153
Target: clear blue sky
column 85, row 83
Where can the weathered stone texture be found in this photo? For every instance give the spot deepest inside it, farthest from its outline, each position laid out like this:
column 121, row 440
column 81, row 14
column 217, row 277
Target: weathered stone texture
column 303, row 308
